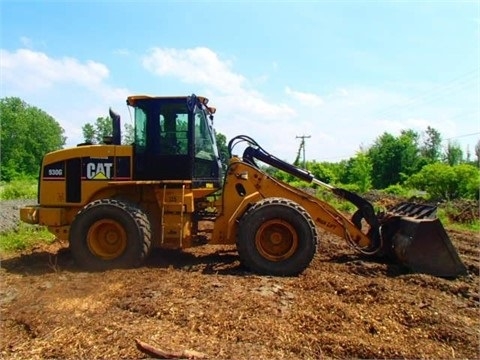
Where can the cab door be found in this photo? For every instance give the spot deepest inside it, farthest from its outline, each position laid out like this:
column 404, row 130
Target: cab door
column 164, row 150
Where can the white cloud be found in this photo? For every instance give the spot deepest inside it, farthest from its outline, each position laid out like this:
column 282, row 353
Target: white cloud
column 29, row 70
column 72, row 91
column 396, row 126
column 194, row 66
column 303, row 98
column 244, row 109
column 339, row 121
column 447, row 128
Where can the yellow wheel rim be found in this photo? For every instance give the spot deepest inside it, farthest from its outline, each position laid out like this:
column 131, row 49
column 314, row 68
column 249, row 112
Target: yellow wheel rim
column 276, row 240
column 107, row 239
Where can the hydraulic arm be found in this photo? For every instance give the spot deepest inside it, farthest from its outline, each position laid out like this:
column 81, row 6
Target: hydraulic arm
column 365, row 209
column 409, row 232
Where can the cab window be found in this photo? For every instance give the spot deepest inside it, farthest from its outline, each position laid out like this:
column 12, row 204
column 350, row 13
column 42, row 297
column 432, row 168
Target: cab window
column 174, row 132
column 203, row 138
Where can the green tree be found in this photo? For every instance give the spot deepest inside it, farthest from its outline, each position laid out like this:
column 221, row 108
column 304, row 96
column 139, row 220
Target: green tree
column 322, row 171
column 453, row 154
column 222, row 149
column 296, row 162
column 411, row 159
column 359, row 171
column 95, row 132
column 27, row 133
column 394, row 158
column 103, row 127
column 468, row 155
column 128, row 135
column 437, row 179
column 468, row 181
column 432, row 145
column 340, row 171
column 88, row 133
column 477, row 152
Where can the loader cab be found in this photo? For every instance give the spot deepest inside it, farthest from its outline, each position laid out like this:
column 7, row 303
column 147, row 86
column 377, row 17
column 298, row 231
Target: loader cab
column 174, row 140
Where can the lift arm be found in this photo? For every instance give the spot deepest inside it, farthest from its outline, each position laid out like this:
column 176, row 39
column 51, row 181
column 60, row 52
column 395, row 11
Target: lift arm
column 365, row 209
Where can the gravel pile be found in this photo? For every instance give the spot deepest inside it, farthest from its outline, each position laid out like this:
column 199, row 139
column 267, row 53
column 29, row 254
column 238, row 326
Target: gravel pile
column 9, row 213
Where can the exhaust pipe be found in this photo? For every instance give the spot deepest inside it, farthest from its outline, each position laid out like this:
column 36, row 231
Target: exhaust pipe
column 116, row 132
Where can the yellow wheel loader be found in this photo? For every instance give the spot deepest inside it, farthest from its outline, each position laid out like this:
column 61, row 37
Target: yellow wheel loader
column 113, row 203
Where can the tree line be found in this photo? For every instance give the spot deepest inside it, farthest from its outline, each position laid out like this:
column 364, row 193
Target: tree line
column 26, row 134
column 409, row 160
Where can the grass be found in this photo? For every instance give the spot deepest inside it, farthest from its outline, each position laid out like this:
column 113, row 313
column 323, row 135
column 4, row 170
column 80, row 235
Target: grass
column 26, row 236
column 338, row 203
column 475, row 226
column 447, row 223
column 19, row 189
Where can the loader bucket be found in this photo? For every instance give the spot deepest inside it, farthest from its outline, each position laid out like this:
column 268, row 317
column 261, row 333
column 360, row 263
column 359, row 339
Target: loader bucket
column 423, row 246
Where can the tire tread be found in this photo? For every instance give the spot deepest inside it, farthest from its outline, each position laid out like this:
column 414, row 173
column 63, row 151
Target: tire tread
column 138, row 216
column 248, row 261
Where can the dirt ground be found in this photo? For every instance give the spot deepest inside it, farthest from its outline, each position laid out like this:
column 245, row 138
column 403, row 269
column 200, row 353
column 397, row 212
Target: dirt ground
column 342, row 306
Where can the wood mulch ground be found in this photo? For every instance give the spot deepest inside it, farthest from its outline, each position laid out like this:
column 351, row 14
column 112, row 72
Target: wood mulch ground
column 342, row 306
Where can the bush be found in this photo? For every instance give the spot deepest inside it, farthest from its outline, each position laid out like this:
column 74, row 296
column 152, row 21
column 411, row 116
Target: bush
column 468, row 177
column 445, row 182
column 454, row 218
column 396, row 189
column 355, row 188
column 462, row 211
column 19, row 189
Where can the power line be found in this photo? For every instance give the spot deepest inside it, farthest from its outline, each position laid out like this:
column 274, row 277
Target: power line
column 439, row 91
column 461, row 136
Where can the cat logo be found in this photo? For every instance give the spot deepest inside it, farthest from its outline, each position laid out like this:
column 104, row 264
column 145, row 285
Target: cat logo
column 99, row 170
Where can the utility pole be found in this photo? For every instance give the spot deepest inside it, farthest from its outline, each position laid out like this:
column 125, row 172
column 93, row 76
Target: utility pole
column 302, row 147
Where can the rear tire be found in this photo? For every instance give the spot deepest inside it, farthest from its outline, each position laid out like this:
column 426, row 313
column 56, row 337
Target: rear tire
column 109, row 234
column 276, row 237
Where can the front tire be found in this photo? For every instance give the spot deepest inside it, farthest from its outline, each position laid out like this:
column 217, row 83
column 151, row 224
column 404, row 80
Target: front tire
column 109, row 234
column 276, row 237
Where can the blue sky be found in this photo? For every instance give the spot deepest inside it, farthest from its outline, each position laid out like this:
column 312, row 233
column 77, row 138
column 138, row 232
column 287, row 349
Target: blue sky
column 341, row 72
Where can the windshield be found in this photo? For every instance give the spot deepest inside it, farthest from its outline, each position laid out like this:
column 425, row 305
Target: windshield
column 205, row 147
column 206, row 152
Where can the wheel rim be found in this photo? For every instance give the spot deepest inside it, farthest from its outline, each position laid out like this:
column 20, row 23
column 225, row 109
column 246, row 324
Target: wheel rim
column 276, row 240
column 107, row 239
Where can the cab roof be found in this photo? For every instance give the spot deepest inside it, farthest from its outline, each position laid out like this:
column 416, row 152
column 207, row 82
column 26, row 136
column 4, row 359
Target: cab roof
column 132, row 100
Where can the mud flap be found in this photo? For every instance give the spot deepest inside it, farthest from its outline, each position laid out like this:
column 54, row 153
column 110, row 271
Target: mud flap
column 423, row 246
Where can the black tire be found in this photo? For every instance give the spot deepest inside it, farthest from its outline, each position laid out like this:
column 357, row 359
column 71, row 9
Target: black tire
column 276, row 237
column 109, row 234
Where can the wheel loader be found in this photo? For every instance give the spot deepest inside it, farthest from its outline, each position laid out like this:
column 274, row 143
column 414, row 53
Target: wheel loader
column 113, row 203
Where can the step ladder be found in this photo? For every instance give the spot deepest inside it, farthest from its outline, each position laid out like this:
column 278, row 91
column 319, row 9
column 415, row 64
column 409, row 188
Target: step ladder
column 173, row 216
